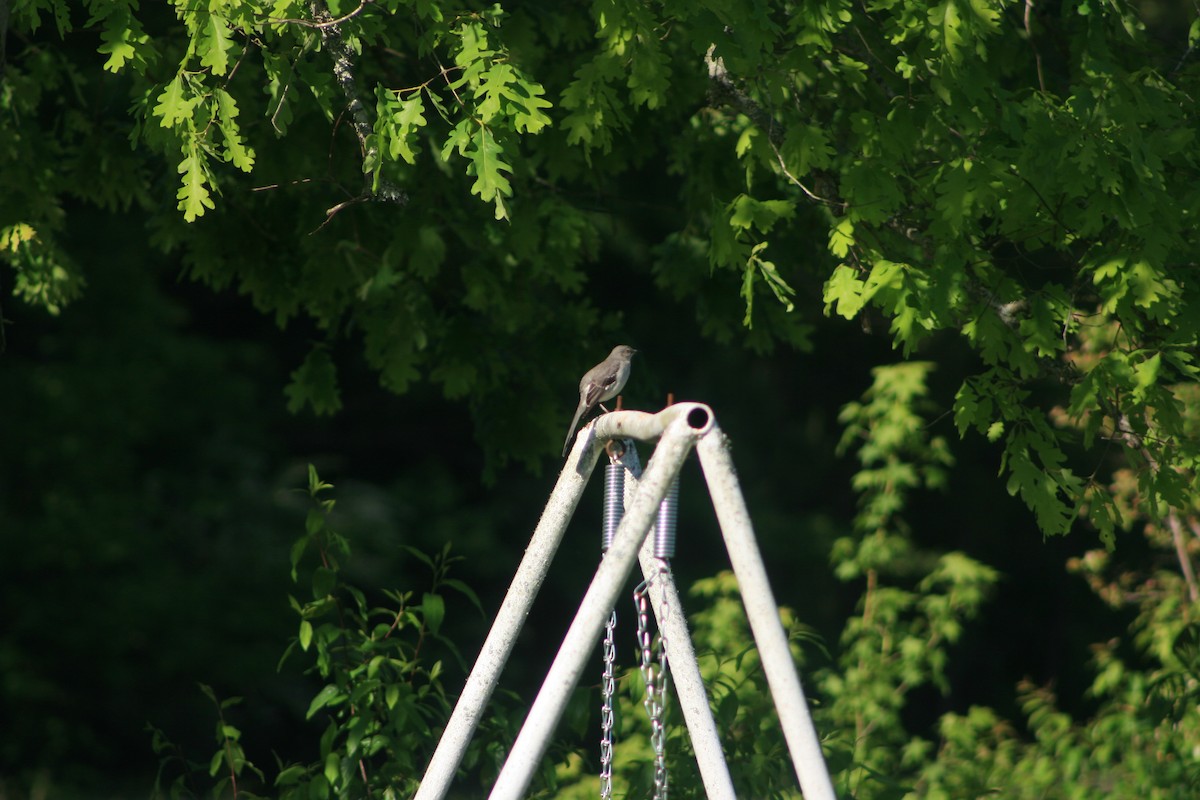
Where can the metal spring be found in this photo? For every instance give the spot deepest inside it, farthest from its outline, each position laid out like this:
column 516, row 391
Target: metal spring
column 664, row 528
column 614, row 502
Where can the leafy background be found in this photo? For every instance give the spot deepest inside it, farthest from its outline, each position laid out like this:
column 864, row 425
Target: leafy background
column 931, row 263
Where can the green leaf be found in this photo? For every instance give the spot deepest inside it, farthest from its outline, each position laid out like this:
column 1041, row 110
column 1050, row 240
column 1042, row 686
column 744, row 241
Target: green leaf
column 465, row 590
column 745, row 212
column 649, row 74
column 595, row 111
column 457, row 378
column 333, row 763
column 486, row 164
column 873, row 195
column 844, row 292
column 420, row 555
column 492, row 91
column 527, row 104
column 805, row 148
column 214, row 43
column 318, row 788
column 427, row 252
column 757, row 266
column 884, row 275
column 329, row 695
column 956, row 191
column 967, row 409
column 1039, row 488
column 174, row 104
column 314, row 383
column 945, row 15
column 193, row 194
column 407, row 119
column 473, row 48
column 124, row 41
column 236, row 151
column 1145, row 375
column 290, row 776
column 306, row 634
column 433, row 609
column 323, row 582
column 841, row 238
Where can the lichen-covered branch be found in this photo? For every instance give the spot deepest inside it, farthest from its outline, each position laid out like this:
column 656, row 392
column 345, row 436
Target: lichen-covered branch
column 360, row 118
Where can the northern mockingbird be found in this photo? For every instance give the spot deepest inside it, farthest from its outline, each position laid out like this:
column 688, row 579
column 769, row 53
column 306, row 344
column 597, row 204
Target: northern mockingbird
column 602, row 382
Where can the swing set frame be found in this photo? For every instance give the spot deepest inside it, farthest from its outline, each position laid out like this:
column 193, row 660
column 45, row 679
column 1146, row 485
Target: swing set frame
column 679, row 429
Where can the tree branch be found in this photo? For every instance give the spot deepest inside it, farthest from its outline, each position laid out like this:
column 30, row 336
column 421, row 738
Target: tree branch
column 1185, row 563
column 360, row 118
column 1134, row 440
column 327, row 23
column 723, row 91
column 1037, row 56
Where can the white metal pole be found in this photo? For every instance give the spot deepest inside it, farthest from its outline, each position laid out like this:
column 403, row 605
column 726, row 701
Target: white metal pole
column 509, row 619
column 763, row 615
column 681, row 656
column 581, row 638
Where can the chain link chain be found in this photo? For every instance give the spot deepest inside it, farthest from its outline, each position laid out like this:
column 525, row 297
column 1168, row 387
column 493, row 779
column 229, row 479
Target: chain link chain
column 656, row 683
column 607, row 691
column 660, row 743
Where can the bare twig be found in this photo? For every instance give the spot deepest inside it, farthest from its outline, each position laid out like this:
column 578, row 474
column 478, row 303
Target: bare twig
column 793, row 179
column 296, row 182
column 331, row 212
column 1037, row 56
column 386, row 193
column 325, row 24
column 1134, row 441
column 1185, row 563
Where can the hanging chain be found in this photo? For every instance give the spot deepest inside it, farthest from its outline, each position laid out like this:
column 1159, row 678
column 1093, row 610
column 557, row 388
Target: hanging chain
column 652, row 654
column 659, row 741
column 607, row 690
column 614, row 509
column 655, row 679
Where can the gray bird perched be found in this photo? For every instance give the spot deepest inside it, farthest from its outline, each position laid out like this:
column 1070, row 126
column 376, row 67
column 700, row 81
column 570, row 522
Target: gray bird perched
column 602, row 382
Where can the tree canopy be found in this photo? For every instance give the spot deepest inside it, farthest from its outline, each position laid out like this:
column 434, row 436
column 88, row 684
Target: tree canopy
column 422, row 177
column 483, row 198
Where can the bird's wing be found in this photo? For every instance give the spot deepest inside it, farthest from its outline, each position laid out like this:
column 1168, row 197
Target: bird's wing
column 598, row 389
